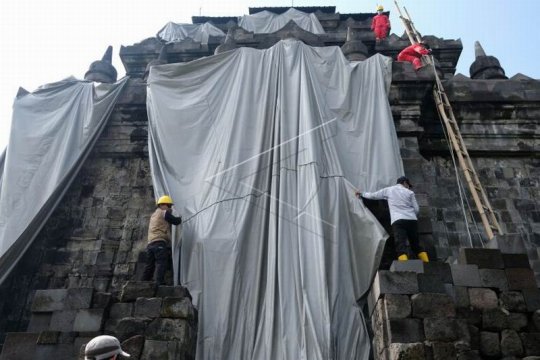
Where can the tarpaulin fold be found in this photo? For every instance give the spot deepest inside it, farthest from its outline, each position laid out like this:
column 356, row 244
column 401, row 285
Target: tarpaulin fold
column 266, row 22
column 262, row 151
column 173, row 32
column 53, row 130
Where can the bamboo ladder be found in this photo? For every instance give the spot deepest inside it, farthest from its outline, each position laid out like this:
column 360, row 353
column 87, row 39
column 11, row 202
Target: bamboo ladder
column 444, row 108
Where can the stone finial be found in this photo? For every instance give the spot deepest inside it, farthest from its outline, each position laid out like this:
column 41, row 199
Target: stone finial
column 485, row 67
column 478, row 50
column 228, row 44
column 102, row 70
column 354, row 49
column 161, row 60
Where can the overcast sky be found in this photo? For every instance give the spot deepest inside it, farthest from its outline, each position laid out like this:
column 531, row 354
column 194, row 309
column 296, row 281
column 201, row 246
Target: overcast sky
column 46, row 41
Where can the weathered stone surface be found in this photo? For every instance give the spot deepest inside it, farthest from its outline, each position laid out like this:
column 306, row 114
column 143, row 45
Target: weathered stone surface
column 461, row 297
column 432, row 305
column 489, row 344
column 101, row 300
column 516, row 261
column 517, row 321
column 387, row 282
column 134, row 346
column 172, row 291
column 129, row 327
column 167, row 329
column 155, row 350
column 405, row 331
column 483, row 299
column 531, row 343
column 397, row 306
column 469, row 355
column 48, row 338
column 495, row 319
column 532, row 298
column 520, row 278
column 174, row 307
column 441, row 329
column 136, row 289
column 18, row 346
column 63, row 320
column 121, row 310
column 430, row 284
column 511, row 343
column 536, row 320
column 443, row 351
column 484, row 258
column 49, row 300
column 39, row 322
column 416, row 266
column 465, row 275
column 407, row 351
column 88, row 320
column 513, row 301
column 78, row 298
column 440, row 270
column 493, row 278
column 149, row 307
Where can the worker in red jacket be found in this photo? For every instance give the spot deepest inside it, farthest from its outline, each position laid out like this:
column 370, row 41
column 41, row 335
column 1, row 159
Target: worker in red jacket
column 380, row 24
column 414, row 53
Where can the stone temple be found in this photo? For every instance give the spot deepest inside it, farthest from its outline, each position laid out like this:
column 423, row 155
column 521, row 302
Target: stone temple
column 476, row 299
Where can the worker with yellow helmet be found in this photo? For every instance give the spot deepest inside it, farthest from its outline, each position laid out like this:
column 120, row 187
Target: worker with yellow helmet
column 380, row 24
column 159, row 239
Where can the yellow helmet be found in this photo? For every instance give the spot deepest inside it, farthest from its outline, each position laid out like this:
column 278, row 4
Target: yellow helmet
column 165, row 199
column 380, row 8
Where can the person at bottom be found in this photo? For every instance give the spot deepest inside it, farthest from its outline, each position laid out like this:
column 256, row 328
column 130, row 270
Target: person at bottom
column 414, row 53
column 403, row 216
column 104, row 347
column 159, row 239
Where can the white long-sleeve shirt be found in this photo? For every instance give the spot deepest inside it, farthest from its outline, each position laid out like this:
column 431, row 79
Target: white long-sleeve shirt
column 401, row 201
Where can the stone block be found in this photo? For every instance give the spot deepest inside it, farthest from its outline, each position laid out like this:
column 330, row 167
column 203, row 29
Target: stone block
column 470, row 315
column 416, row 266
column 121, row 310
column 440, row 270
column 520, row 278
column 531, row 343
column 474, row 334
column 129, row 327
column 430, row 284
column 147, row 307
column 387, row 282
column 536, row 320
column 483, row 258
column 397, row 306
column 443, row 351
column 465, row 275
column 167, row 329
column 469, row 355
column 516, row 261
column 134, row 346
column 495, row 319
column 513, row 301
column 101, row 300
column 489, row 344
column 461, row 296
column 49, row 300
column 517, row 321
column 164, row 350
column 532, row 299
column 19, row 346
column 177, row 307
column 172, row 291
column 48, row 338
column 136, row 289
column 59, row 351
column 432, row 305
column 406, row 351
column 88, row 320
column 405, row 331
column 78, row 298
column 63, row 320
column 482, row 299
column 39, row 322
column 511, row 343
column 493, row 278
column 441, row 329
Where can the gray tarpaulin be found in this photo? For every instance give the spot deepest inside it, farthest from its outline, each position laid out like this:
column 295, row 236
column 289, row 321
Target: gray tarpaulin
column 173, row 32
column 261, row 151
column 52, row 132
column 265, row 22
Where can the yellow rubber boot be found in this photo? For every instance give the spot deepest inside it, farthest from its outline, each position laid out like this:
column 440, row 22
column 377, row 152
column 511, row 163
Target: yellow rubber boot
column 423, row 256
column 403, row 257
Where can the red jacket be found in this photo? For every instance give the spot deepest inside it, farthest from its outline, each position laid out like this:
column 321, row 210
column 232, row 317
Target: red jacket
column 380, row 21
column 415, row 50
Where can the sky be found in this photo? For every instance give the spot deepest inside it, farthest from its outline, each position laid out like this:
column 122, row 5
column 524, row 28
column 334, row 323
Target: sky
column 46, row 41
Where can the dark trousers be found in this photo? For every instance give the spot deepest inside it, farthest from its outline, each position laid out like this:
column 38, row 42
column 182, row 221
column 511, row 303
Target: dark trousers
column 157, row 256
column 403, row 230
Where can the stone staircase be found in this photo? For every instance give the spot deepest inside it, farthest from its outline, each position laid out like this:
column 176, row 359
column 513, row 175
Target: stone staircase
column 487, row 306
column 151, row 323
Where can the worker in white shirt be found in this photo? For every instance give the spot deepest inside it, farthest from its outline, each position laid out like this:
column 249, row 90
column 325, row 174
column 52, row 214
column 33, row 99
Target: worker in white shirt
column 403, row 211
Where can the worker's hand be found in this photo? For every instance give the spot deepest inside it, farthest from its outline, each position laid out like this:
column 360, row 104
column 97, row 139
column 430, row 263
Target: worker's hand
column 358, row 194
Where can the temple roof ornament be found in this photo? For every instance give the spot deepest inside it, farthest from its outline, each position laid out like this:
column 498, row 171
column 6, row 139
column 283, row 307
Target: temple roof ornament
column 485, row 67
column 353, row 48
column 102, row 70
